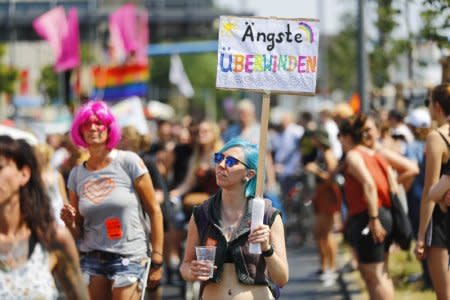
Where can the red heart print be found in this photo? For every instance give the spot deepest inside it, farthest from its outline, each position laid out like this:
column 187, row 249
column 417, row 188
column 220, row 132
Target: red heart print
column 96, row 190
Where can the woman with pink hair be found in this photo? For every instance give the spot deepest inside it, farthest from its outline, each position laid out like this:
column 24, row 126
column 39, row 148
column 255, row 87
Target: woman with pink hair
column 108, row 193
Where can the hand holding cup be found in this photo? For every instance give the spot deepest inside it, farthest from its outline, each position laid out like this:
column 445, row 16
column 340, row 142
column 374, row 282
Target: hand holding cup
column 203, row 268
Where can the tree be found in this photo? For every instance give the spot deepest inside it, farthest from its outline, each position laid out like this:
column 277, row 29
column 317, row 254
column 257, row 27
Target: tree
column 386, row 49
column 8, row 76
column 436, row 18
column 341, row 57
column 48, row 82
column 201, row 71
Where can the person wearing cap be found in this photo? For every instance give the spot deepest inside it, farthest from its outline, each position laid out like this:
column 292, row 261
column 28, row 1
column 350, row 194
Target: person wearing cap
column 419, row 122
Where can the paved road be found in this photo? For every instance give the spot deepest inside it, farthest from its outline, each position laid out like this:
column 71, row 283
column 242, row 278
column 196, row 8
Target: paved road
column 302, row 263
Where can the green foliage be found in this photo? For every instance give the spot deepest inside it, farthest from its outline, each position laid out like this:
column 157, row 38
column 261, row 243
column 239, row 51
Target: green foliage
column 86, row 53
column 159, row 70
column 201, row 71
column 48, row 82
column 8, row 76
column 341, row 57
column 436, row 19
column 386, row 49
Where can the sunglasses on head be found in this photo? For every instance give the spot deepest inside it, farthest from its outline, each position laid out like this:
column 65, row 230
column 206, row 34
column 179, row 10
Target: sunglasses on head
column 230, row 161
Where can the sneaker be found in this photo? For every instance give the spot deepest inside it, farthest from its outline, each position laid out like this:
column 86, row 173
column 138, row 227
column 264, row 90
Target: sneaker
column 329, row 275
column 329, row 282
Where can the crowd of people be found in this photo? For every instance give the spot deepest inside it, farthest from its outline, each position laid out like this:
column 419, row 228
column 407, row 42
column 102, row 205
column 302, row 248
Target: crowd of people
column 103, row 210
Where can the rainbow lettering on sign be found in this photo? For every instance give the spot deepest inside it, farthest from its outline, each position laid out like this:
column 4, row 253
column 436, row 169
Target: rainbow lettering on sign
column 307, row 30
column 257, row 63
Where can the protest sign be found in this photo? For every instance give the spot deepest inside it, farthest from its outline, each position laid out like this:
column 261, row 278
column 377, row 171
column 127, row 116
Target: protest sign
column 268, row 54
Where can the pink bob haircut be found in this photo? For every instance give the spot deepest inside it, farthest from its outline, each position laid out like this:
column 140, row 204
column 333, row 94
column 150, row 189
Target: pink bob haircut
column 100, row 110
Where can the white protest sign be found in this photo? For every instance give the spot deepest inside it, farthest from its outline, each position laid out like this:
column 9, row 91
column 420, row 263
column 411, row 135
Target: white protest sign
column 268, row 54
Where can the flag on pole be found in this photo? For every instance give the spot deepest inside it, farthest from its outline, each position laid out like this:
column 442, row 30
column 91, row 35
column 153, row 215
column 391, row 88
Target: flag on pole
column 52, row 26
column 62, row 35
column 70, row 56
column 119, row 82
column 178, row 76
column 128, row 29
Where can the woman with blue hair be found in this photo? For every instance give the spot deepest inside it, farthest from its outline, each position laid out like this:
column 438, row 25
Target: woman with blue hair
column 223, row 221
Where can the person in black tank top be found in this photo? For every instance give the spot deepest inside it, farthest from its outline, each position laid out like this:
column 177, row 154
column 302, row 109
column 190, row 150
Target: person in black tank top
column 436, row 151
column 438, row 230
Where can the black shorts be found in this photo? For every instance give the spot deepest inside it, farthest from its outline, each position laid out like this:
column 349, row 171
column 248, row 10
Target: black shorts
column 367, row 250
column 437, row 230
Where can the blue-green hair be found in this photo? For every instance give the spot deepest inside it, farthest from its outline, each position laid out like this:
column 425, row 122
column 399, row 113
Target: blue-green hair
column 250, row 158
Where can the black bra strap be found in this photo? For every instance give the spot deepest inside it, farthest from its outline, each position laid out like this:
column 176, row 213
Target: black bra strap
column 443, row 137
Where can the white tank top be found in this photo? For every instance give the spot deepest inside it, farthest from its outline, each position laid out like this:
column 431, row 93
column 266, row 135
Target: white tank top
column 33, row 280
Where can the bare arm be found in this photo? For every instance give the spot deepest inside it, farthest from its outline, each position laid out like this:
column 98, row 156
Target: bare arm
column 331, row 163
column 72, row 218
column 192, row 240
column 144, row 188
column 358, row 169
column 438, row 190
column 67, row 269
column 433, row 155
column 277, row 265
column 406, row 168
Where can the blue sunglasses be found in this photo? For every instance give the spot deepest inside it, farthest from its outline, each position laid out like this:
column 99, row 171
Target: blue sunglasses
column 230, row 161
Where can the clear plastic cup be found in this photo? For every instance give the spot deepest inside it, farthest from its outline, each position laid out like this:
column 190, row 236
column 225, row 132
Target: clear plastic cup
column 206, row 254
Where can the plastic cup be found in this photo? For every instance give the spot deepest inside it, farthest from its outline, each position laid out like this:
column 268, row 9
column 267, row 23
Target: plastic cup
column 206, row 254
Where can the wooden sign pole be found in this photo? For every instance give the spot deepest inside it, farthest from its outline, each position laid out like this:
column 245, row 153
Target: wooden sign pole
column 262, row 144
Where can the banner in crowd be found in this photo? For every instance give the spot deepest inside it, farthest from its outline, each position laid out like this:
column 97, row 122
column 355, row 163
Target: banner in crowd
column 268, row 54
column 119, row 82
column 128, row 28
column 62, row 33
column 130, row 112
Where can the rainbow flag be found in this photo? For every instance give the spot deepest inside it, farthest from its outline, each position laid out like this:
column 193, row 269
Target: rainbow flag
column 119, row 82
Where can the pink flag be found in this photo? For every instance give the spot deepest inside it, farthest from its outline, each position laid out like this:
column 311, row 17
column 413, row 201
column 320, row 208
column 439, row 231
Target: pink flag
column 52, row 26
column 70, row 55
column 129, row 33
column 142, row 37
column 62, row 35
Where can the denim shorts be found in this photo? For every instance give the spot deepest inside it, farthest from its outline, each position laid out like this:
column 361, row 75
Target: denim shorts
column 122, row 270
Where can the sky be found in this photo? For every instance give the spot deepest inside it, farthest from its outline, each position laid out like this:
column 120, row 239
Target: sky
column 291, row 8
column 328, row 11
